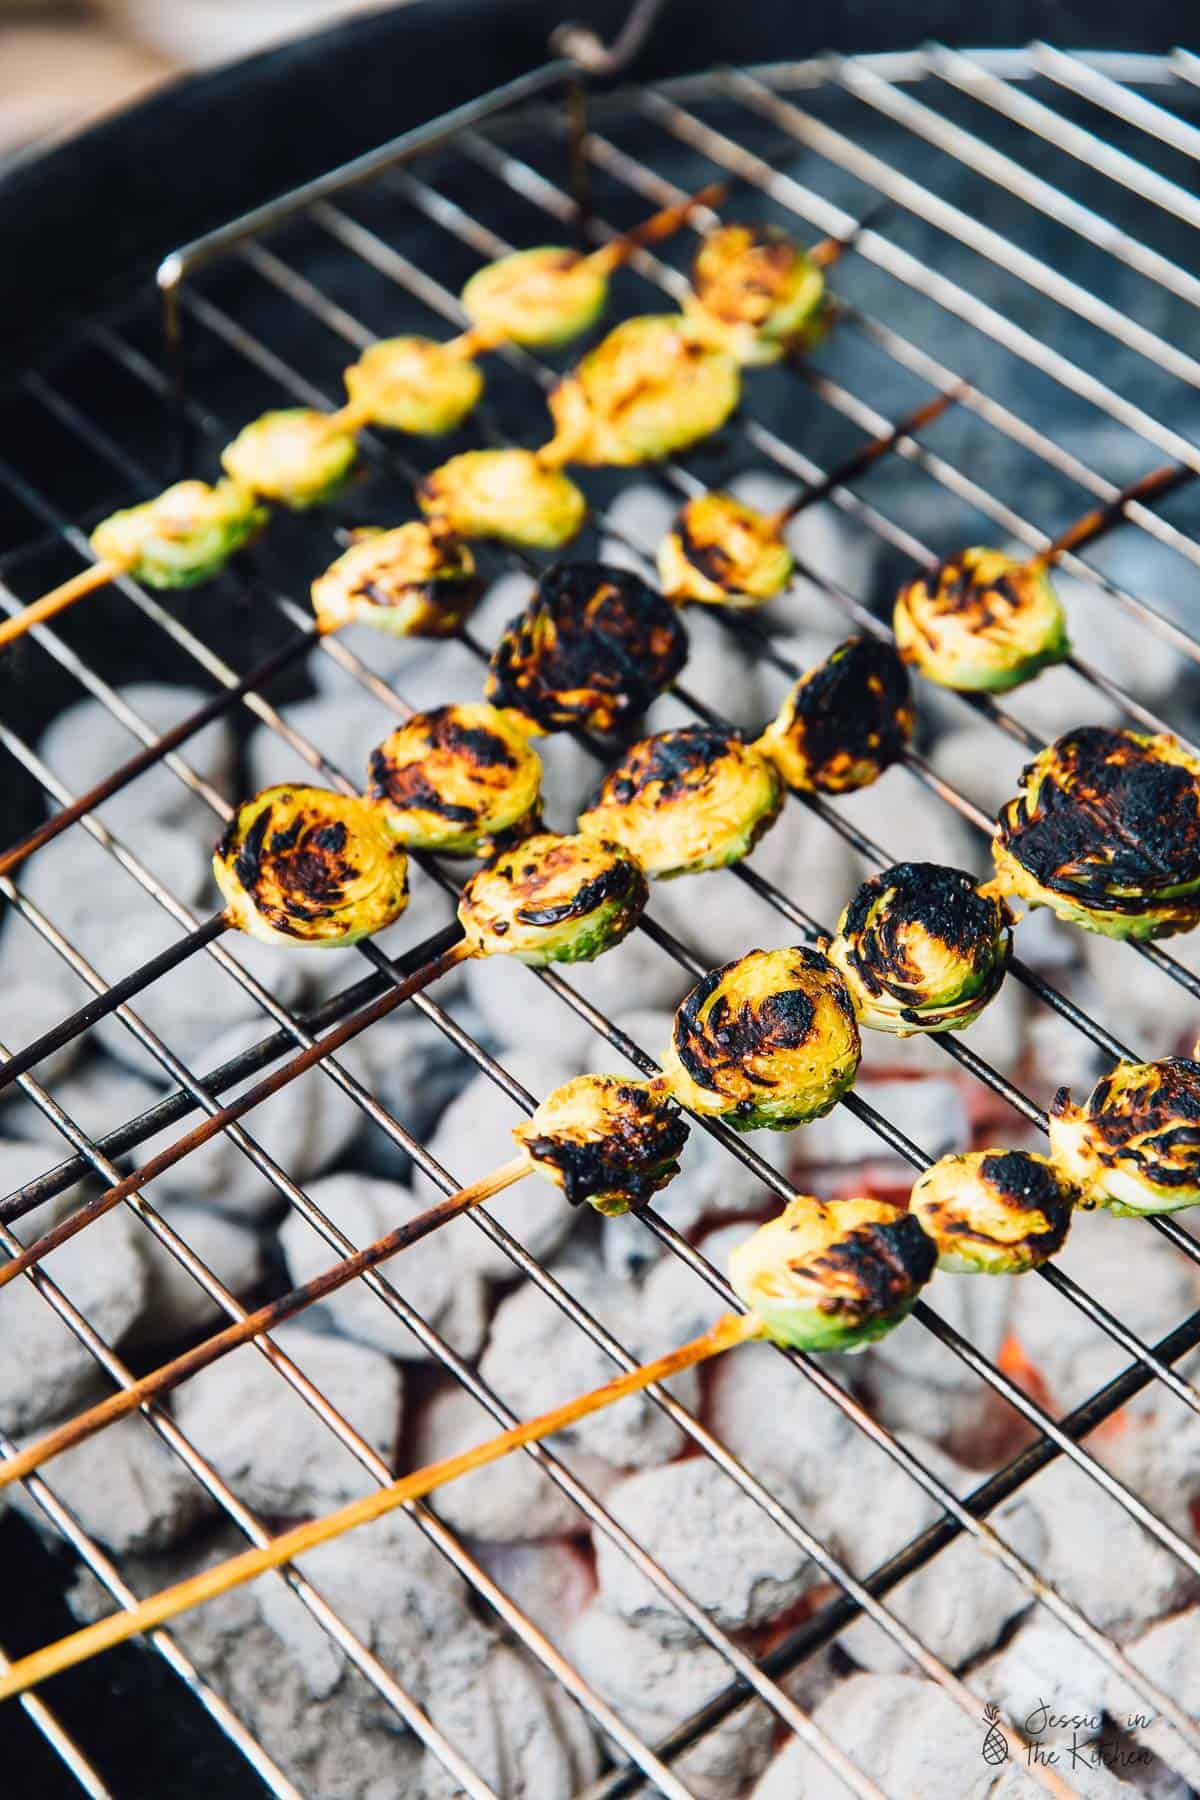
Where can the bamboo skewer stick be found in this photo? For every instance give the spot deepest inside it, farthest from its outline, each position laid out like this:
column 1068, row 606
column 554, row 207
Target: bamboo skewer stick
column 78, row 1646
column 237, row 1109
column 181, row 1368
column 1101, row 519
column 862, row 459
column 96, row 575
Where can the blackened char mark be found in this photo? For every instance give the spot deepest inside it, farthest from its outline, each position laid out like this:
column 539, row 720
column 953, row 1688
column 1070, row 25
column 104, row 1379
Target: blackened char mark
column 886, row 1261
column 619, row 882
column 1156, row 1124
column 709, row 557
column 856, row 704
column 943, row 902
column 248, row 863
column 725, row 1036
column 669, row 759
column 409, row 789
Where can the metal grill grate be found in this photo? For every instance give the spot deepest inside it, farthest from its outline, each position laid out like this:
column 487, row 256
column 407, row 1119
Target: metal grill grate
column 264, row 318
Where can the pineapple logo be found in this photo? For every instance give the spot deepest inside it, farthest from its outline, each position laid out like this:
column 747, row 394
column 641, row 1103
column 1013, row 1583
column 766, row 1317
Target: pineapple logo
column 995, row 1744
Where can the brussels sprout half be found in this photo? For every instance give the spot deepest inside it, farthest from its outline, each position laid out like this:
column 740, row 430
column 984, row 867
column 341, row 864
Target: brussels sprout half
column 686, row 800
column 453, row 778
column 721, row 552
column 1106, row 832
column 833, row 1275
column 766, row 1042
column 540, row 298
column 183, row 536
column 982, row 622
column 606, row 1140
column 509, row 495
column 845, row 721
column 416, row 580
column 413, row 384
column 993, row 1212
column 1134, row 1144
column 921, row 949
column 646, row 391
column 296, row 457
column 301, row 865
column 553, row 899
column 755, row 293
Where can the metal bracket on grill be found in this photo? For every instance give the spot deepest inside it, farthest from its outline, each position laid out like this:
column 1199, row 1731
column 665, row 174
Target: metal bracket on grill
column 583, row 46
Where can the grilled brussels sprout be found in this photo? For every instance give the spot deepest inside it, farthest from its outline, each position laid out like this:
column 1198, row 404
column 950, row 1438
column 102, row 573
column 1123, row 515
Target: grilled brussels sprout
column 921, row 949
column 296, row 457
column 504, row 494
column 413, row 384
column 766, row 1042
column 300, row 865
column 541, row 298
column 1134, row 1144
column 982, row 622
column 183, row 536
column 647, row 390
column 592, row 649
column 686, row 800
column 722, row 552
column 833, row 1275
column 606, row 1140
column 1106, row 832
column 993, row 1212
column 417, row 580
column 553, row 899
column 755, row 293
column 454, row 778
column 845, row 721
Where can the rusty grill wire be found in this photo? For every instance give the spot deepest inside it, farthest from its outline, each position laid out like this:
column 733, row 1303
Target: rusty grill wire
column 715, row 119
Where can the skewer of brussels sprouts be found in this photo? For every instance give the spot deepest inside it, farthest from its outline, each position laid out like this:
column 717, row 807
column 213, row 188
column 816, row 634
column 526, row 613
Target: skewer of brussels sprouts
column 686, row 800
column 844, row 722
column 1134, row 1144
column 720, row 551
column 922, row 949
column 455, row 779
column 1105, row 831
column 993, row 1212
column 984, row 621
column 833, row 1275
column 604, row 1140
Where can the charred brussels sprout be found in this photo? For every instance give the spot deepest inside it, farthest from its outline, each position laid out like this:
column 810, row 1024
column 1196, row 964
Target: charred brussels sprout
column 553, row 899
column 721, row 552
column 766, row 1042
column 993, row 1212
column 921, row 949
column 300, row 865
column 833, row 1275
column 1134, row 1145
column 454, row 778
column 592, row 649
column 504, row 494
column 648, row 390
column 686, row 800
column 296, row 457
column 982, row 622
column 417, row 580
column 606, row 1140
column 1106, row 832
column 183, row 536
column 540, row 298
column 413, row 384
column 845, row 721
column 755, row 293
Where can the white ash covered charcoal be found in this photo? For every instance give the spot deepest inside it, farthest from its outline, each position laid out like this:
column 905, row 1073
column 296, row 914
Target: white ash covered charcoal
column 1045, row 1669
column 126, row 1488
column 414, row 1071
column 1145, row 1008
column 537, row 1357
column 272, row 1449
column 429, row 909
column 712, row 1539
column 570, row 775
column 653, row 1685
column 1144, row 663
column 1104, row 1561
column 515, row 1726
column 1156, row 1452
column 719, row 673
column 551, row 1580
column 999, row 1035
column 344, row 728
column 1169, row 1653
column 1060, row 694
column 931, row 1110
column 1060, row 1056
column 31, row 1007
column 448, row 674
column 430, row 1273
column 518, row 1005
column 474, row 1136
column 85, row 742
column 980, row 762
column 780, row 1425
column 514, row 1501
column 176, row 1304
column 98, row 1094
column 905, row 818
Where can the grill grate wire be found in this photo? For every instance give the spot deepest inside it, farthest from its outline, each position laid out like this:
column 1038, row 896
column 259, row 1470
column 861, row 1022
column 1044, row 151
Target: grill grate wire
column 1055, row 1437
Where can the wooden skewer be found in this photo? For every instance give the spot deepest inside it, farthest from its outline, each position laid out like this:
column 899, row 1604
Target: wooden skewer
column 862, row 459
column 659, row 225
column 96, row 575
column 237, row 1109
column 831, row 250
column 1155, row 486
column 27, row 1671
column 181, row 1368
